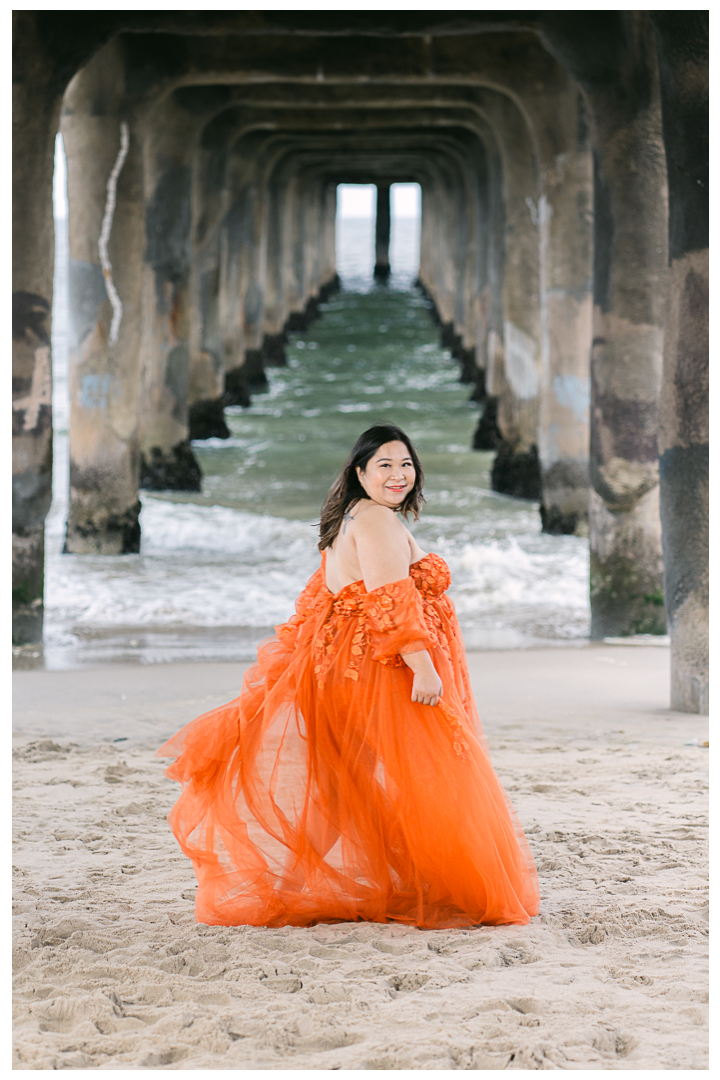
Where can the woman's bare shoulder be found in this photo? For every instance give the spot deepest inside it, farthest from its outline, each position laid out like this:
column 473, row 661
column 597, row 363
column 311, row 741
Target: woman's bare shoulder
column 383, row 551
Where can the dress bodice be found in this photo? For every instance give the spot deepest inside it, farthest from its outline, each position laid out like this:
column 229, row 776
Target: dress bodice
column 401, row 616
column 430, row 576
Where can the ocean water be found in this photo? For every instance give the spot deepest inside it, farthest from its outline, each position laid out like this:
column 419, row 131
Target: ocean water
column 220, row 568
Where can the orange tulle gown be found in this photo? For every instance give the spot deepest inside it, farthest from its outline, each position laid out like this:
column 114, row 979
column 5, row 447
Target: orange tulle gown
column 323, row 793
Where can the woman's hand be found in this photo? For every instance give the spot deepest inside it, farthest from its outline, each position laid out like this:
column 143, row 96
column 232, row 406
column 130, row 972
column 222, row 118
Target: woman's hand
column 427, row 688
column 427, row 691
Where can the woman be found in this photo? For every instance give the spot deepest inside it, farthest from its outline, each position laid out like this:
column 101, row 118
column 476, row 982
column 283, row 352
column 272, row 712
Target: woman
column 350, row 779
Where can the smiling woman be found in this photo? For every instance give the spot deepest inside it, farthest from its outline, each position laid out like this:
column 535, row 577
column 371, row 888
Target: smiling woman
column 351, row 780
column 383, row 466
column 390, row 474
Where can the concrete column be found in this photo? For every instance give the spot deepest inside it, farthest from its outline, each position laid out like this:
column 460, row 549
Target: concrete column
column 515, row 363
column 229, row 312
column 472, row 192
column 487, row 256
column 565, row 227
column 36, row 106
column 434, row 248
column 489, row 297
column 206, row 378
column 293, row 261
column 682, row 38
column 462, row 256
column 452, row 251
column 241, row 271
column 282, row 295
column 107, row 239
column 274, row 336
column 476, row 256
column 166, row 459
column 300, row 269
column 308, row 254
column 322, row 276
column 382, row 232
column 326, row 279
column 538, row 363
column 329, row 214
column 253, row 281
column 308, row 251
column 428, row 250
column 626, row 569
column 445, row 233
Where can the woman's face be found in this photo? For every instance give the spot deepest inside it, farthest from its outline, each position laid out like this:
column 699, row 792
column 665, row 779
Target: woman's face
column 389, row 475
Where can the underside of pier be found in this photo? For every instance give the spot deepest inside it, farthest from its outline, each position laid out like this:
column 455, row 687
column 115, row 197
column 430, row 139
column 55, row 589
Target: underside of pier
column 563, row 161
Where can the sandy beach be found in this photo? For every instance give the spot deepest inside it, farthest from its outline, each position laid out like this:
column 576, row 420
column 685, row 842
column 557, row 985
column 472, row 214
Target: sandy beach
column 111, row 970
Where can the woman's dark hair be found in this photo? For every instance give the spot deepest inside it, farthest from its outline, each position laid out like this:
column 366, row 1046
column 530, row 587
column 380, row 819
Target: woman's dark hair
column 347, row 489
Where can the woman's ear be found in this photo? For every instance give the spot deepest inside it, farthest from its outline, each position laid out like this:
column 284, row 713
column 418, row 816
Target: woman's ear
column 359, row 472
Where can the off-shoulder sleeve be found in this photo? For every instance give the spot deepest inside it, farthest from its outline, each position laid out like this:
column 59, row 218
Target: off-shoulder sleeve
column 394, row 620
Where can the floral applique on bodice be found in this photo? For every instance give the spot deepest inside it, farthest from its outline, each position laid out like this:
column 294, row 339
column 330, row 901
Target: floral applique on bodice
column 431, row 576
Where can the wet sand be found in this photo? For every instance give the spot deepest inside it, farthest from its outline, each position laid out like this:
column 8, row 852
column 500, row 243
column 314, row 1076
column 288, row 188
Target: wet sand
column 111, row 971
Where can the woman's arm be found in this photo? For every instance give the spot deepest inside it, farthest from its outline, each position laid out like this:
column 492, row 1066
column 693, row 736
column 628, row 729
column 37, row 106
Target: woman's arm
column 384, row 555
